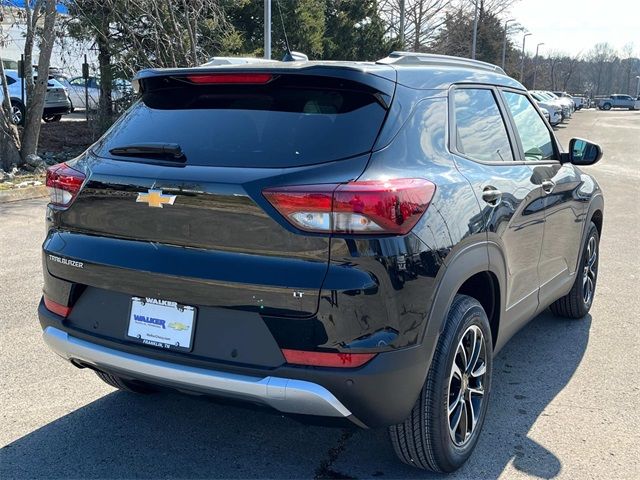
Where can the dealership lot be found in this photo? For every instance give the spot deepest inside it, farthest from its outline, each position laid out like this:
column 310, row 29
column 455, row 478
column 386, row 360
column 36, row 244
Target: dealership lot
column 564, row 402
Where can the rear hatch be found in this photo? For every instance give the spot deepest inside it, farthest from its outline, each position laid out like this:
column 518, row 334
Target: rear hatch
column 56, row 93
column 172, row 207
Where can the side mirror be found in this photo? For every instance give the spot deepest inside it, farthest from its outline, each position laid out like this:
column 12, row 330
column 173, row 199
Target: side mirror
column 582, row 152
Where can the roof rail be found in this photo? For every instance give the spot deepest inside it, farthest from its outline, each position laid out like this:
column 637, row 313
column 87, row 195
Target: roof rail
column 414, row 58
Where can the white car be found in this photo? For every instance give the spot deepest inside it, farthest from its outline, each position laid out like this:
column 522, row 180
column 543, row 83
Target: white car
column 579, row 100
column 563, row 100
column 574, row 100
column 546, row 97
column 76, row 87
column 553, row 108
column 56, row 102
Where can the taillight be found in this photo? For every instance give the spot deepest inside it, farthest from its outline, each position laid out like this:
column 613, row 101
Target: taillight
column 228, row 78
column 364, row 207
column 56, row 308
column 326, row 359
column 64, row 183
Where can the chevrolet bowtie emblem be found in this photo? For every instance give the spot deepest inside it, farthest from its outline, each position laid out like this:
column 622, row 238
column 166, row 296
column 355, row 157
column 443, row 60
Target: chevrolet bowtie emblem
column 155, row 198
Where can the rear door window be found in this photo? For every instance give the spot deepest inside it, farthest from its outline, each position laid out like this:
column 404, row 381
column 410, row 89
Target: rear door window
column 480, row 130
column 291, row 121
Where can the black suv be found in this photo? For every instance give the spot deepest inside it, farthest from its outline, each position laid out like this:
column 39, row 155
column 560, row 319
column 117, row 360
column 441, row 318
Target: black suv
column 334, row 239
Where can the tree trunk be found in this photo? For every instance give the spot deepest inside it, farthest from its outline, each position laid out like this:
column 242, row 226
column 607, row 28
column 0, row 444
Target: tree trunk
column 35, row 102
column 9, row 153
column 105, row 103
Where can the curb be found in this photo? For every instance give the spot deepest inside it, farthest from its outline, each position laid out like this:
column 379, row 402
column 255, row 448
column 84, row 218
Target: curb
column 23, row 194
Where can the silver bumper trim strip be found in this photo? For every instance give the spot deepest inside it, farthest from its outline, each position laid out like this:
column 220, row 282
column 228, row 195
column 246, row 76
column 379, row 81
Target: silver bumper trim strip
column 283, row 394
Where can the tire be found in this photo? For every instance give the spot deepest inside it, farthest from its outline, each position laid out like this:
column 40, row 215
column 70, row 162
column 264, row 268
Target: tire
column 606, row 106
column 18, row 112
column 122, row 384
column 424, row 439
column 52, row 118
column 576, row 303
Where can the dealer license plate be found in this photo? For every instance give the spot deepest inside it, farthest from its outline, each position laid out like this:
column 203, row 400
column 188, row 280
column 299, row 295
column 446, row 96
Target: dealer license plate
column 161, row 323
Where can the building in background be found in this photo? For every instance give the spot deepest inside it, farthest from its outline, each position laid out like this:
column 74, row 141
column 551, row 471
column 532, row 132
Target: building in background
column 67, row 56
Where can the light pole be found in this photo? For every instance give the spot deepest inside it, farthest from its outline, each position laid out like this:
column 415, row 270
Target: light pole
column 401, row 27
column 475, row 32
column 267, row 29
column 535, row 66
column 524, row 39
column 504, row 42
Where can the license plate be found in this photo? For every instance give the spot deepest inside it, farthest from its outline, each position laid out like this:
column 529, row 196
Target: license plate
column 161, row 323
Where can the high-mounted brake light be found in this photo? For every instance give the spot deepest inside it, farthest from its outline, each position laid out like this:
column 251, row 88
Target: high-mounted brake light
column 227, row 78
column 63, row 183
column 56, row 308
column 326, row 359
column 364, row 207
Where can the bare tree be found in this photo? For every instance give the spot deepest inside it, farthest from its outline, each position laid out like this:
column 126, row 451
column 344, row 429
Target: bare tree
column 9, row 137
column 626, row 81
column 600, row 58
column 130, row 35
column 14, row 149
column 423, row 18
column 38, row 88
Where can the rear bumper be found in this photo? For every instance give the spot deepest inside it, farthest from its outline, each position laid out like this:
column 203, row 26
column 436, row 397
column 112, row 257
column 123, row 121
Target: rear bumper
column 283, row 394
column 57, row 110
column 380, row 393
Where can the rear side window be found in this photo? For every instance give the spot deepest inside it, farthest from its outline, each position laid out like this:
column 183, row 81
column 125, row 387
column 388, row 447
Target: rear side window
column 480, row 130
column 534, row 134
column 291, row 121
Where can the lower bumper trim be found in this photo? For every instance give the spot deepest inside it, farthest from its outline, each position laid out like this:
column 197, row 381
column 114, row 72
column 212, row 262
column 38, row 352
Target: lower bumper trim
column 283, row 394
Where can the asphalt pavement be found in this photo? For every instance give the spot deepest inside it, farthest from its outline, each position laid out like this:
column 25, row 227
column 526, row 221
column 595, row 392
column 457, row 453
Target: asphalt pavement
column 565, row 399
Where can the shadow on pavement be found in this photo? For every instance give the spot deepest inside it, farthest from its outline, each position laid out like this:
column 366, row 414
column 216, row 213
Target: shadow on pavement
column 124, row 435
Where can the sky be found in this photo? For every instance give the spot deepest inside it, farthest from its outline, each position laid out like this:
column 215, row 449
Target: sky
column 574, row 26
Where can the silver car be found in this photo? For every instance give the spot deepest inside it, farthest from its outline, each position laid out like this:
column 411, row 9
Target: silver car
column 56, row 102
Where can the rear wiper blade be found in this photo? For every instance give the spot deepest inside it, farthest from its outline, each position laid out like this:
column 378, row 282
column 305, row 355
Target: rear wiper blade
column 170, row 151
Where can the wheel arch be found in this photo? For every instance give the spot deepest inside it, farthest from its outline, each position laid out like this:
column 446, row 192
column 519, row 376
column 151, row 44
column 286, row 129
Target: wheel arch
column 597, row 218
column 595, row 214
column 485, row 288
column 477, row 270
column 17, row 100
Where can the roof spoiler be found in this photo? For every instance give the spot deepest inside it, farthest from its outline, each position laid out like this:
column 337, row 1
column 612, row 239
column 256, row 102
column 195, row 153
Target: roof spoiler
column 382, row 80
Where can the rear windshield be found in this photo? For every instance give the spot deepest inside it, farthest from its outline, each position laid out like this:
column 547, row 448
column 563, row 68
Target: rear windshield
column 293, row 120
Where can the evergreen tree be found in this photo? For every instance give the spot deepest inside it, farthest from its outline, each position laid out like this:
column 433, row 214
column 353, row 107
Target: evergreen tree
column 322, row 29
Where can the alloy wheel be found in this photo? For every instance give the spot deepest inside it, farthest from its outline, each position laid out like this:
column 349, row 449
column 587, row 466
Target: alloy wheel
column 590, row 271
column 16, row 114
column 466, row 386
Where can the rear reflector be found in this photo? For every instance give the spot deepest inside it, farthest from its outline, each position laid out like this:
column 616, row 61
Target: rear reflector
column 228, row 78
column 324, row 359
column 56, row 308
column 63, row 183
column 365, row 207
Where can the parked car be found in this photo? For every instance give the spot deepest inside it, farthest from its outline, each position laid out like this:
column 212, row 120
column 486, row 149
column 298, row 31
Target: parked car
column 618, row 101
column 56, row 101
column 9, row 64
column 580, row 101
column 566, row 106
column 565, row 99
column 76, row 86
column 337, row 239
column 554, row 108
column 546, row 114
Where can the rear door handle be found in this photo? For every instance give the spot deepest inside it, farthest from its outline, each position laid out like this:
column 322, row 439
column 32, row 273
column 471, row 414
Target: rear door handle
column 491, row 195
column 548, row 185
